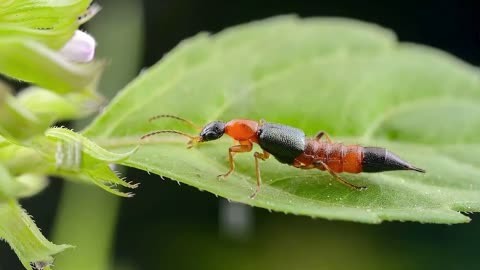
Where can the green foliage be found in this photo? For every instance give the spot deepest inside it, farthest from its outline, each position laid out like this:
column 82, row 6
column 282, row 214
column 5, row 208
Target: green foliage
column 31, row 33
column 26, row 60
column 83, row 159
column 18, row 229
column 351, row 79
column 49, row 22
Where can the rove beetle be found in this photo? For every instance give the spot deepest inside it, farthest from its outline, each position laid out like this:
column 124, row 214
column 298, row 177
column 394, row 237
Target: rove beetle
column 290, row 146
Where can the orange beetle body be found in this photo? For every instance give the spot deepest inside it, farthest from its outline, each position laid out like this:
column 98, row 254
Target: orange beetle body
column 242, row 130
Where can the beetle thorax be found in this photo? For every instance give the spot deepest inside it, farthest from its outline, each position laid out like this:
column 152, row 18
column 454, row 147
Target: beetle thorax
column 242, row 129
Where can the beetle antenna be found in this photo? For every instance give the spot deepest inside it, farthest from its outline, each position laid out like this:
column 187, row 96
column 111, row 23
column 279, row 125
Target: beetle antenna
column 176, row 118
column 191, row 142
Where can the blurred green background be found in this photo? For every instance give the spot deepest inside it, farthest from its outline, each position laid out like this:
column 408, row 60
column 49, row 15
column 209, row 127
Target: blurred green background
column 171, row 226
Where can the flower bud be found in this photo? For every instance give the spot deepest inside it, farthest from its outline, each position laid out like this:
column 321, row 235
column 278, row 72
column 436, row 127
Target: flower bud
column 80, row 48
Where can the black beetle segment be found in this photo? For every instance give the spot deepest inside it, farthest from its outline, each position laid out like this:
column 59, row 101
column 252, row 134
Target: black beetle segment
column 283, row 142
column 376, row 159
column 212, row 131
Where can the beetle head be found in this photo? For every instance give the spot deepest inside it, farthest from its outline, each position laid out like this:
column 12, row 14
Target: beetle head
column 212, row 131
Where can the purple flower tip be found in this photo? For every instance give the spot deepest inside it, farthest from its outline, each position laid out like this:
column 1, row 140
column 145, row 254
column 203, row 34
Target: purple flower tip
column 80, row 48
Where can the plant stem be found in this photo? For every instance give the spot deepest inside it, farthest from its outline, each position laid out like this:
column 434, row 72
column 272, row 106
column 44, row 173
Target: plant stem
column 86, row 219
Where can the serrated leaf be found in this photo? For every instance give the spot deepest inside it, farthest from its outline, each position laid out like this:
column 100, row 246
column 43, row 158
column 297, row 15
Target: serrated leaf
column 17, row 227
column 349, row 78
column 88, row 146
column 64, row 153
column 19, row 230
column 78, row 157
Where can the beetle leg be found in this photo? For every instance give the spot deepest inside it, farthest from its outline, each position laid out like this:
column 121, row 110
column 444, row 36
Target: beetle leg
column 235, row 142
column 262, row 156
column 320, row 134
column 244, row 147
column 337, row 177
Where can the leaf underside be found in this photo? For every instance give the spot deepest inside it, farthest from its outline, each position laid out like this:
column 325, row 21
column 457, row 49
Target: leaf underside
column 349, row 78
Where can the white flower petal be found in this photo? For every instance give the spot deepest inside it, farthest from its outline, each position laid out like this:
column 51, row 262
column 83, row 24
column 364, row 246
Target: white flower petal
column 80, row 48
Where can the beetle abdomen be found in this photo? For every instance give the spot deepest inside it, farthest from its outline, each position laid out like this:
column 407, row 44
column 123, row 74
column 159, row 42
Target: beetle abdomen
column 337, row 156
column 350, row 158
column 285, row 143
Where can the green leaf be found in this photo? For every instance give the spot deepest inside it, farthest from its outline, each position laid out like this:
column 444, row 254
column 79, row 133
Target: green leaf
column 19, row 230
column 31, row 33
column 31, row 184
column 54, row 107
column 33, row 62
column 349, row 78
column 64, row 153
column 50, row 22
column 13, row 115
column 24, row 185
column 77, row 157
column 35, row 109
